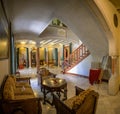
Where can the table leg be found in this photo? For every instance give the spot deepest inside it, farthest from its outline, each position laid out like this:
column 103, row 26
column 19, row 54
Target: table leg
column 65, row 93
column 58, row 93
column 44, row 94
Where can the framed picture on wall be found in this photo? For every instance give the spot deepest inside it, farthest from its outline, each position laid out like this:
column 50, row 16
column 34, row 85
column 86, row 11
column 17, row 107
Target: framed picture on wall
column 4, row 35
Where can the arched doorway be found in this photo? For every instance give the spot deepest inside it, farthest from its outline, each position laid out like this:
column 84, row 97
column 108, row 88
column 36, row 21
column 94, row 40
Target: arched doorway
column 22, row 57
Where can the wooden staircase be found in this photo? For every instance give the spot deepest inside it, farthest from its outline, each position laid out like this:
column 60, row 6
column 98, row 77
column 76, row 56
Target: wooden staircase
column 77, row 56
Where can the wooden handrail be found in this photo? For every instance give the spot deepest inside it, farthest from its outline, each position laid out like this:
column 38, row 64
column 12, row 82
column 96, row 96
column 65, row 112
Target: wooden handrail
column 77, row 56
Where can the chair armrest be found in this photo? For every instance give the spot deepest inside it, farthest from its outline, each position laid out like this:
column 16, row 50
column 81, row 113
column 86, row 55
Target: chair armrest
column 61, row 108
column 78, row 90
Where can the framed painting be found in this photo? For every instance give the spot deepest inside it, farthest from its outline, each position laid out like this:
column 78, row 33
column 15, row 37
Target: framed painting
column 4, row 34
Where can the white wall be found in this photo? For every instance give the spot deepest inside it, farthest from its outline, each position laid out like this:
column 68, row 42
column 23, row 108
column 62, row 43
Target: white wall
column 83, row 67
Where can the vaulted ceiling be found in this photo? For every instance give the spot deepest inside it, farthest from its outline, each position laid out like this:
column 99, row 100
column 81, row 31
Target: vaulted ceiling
column 30, row 18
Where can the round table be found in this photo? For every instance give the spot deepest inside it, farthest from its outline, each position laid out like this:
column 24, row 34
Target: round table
column 57, row 85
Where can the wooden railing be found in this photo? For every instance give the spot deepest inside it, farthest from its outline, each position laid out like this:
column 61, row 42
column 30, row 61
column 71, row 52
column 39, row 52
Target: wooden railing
column 77, row 56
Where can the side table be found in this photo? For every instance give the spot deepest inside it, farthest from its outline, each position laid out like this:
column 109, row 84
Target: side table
column 94, row 75
column 51, row 85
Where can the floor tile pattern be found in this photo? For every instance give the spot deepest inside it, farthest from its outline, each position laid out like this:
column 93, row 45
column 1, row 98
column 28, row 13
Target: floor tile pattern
column 107, row 104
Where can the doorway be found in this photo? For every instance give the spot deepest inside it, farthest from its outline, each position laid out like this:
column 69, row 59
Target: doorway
column 66, row 52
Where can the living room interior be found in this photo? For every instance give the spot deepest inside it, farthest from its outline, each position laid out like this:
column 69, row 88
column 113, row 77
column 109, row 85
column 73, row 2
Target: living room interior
column 44, row 34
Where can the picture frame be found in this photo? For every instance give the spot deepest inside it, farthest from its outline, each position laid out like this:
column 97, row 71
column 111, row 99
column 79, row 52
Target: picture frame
column 4, row 34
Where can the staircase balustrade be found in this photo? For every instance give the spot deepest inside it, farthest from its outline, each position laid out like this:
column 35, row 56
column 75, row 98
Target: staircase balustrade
column 77, row 56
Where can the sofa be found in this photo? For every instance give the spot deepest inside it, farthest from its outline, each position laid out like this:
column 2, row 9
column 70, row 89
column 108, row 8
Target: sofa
column 84, row 102
column 18, row 97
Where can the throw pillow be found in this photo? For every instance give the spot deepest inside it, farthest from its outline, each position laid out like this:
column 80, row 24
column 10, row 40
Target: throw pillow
column 80, row 99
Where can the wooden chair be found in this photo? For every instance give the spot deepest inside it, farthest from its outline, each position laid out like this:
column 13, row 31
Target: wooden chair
column 43, row 74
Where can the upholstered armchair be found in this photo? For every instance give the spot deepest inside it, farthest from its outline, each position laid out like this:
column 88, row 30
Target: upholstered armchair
column 84, row 102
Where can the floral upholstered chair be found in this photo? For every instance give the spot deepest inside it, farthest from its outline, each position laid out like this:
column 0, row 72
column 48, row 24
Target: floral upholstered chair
column 84, row 102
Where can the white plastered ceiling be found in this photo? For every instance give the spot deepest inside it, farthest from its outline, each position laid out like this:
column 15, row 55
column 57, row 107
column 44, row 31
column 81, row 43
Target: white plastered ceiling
column 30, row 18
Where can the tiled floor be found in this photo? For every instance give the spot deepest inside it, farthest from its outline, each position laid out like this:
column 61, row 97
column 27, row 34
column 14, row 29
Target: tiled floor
column 107, row 104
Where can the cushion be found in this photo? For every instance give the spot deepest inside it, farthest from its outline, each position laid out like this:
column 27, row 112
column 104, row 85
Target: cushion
column 8, row 93
column 10, row 81
column 69, row 102
column 13, row 77
column 80, row 99
column 16, row 90
column 75, row 102
column 23, row 91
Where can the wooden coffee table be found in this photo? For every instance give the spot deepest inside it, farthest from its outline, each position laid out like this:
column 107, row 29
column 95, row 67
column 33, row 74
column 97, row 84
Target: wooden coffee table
column 56, row 85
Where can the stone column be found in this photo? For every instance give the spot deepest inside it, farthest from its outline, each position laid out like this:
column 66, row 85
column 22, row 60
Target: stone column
column 37, row 59
column 29, row 49
column 47, row 57
column 113, row 84
column 59, row 57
